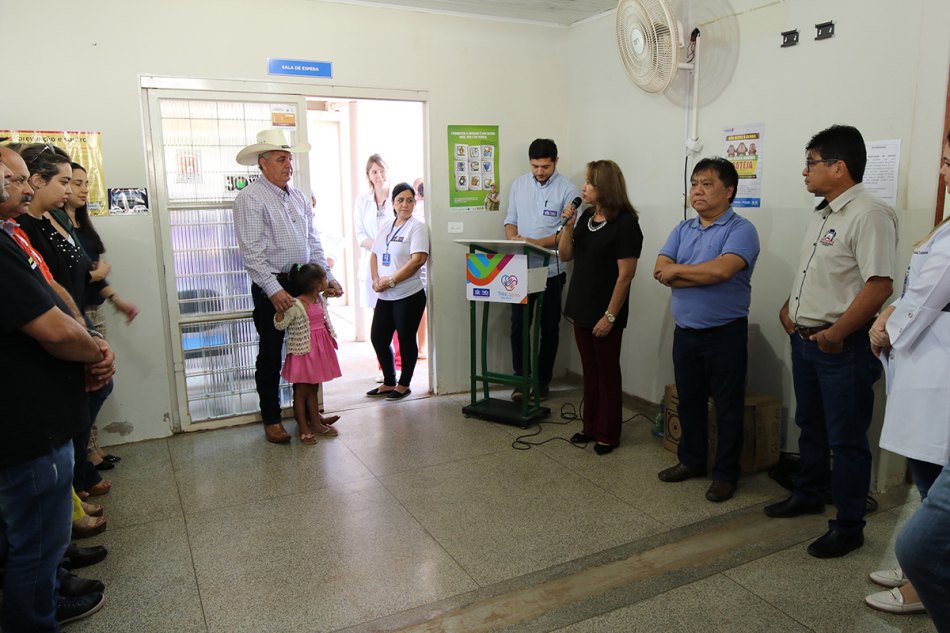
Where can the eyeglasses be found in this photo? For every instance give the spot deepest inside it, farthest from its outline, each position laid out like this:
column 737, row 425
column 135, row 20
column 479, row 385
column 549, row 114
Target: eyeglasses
column 811, row 163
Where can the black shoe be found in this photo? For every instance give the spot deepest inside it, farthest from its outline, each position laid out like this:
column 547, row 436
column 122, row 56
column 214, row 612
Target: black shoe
column 793, row 508
column 720, row 491
column 678, row 473
column 580, row 438
column 398, row 395
column 77, row 557
column 104, row 465
column 72, row 608
column 602, row 449
column 836, row 543
column 72, row 585
column 544, row 391
column 112, row 458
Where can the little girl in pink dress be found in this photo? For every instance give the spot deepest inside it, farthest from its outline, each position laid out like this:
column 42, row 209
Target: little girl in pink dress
column 311, row 350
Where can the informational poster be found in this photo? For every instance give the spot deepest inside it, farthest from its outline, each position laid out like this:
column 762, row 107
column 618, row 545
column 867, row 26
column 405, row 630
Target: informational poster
column 84, row 148
column 880, row 175
column 473, row 166
column 743, row 145
column 283, row 115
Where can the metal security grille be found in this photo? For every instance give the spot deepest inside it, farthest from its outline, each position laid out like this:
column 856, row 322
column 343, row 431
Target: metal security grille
column 199, row 140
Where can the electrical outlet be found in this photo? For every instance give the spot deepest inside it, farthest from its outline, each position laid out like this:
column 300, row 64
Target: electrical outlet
column 455, row 227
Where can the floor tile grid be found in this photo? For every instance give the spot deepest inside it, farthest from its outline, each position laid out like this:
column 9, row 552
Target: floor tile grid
column 188, row 538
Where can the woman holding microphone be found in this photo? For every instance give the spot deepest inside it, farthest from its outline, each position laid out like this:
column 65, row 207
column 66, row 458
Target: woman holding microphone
column 605, row 245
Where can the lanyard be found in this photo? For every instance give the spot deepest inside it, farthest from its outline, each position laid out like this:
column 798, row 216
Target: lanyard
column 391, row 236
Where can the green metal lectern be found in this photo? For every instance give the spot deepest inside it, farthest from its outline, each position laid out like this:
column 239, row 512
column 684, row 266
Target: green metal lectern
column 512, row 272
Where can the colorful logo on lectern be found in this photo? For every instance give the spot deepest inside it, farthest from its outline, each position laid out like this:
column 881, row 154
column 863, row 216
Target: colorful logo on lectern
column 510, row 282
column 482, row 268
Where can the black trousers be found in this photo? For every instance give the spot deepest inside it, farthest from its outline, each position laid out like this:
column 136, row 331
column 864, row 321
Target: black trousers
column 401, row 316
column 269, row 356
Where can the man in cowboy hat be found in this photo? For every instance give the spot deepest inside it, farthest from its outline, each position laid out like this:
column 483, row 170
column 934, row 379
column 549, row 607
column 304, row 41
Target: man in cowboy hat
column 274, row 223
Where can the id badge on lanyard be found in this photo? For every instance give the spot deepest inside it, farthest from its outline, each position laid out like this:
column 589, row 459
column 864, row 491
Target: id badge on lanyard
column 393, row 232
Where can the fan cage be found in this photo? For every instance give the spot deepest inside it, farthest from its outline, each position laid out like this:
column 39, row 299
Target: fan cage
column 654, row 68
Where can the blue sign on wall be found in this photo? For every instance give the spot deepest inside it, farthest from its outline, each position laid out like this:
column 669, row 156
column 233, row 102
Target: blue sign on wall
column 299, row 67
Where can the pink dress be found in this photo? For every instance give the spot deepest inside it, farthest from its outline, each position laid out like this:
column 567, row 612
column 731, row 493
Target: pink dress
column 321, row 364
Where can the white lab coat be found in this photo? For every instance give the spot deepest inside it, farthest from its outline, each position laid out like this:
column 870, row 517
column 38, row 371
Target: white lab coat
column 917, row 418
column 368, row 221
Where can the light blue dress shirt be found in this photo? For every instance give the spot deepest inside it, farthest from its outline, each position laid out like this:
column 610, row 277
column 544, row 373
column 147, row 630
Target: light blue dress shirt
column 536, row 209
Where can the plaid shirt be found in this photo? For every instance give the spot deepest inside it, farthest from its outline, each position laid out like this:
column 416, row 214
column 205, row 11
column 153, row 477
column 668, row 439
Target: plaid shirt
column 275, row 231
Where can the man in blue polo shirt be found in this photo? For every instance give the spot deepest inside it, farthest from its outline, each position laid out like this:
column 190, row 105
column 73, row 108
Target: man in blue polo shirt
column 534, row 213
column 708, row 263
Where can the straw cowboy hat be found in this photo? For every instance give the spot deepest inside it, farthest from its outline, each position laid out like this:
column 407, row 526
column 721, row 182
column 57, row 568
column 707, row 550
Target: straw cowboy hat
column 268, row 141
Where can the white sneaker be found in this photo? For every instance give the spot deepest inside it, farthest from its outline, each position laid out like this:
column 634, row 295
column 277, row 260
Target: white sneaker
column 889, row 577
column 892, row 601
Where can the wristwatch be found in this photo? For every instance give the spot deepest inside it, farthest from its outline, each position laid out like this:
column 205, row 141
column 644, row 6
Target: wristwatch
column 392, row 282
column 610, row 318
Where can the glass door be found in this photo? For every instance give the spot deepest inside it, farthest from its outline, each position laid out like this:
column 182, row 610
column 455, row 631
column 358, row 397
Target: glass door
column 195, row 137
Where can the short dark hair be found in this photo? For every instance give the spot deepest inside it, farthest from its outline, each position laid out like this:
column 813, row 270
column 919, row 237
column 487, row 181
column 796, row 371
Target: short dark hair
column 305, row 277
column 542, row 148
column 845, row 143
column 723, row 168
column 398, row 189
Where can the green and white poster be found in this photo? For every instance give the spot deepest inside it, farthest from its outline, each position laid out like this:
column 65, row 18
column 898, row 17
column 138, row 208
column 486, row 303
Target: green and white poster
column 473, row 167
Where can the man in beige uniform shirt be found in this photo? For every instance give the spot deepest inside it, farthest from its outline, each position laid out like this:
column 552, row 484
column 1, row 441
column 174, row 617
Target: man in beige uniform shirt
column 845, row 274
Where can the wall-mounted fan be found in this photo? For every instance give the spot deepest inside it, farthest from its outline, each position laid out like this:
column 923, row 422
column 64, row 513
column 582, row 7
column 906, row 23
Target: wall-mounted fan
column 653, row 49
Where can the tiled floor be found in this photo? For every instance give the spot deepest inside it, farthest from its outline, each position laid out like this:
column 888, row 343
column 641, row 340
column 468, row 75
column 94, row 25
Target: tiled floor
column 418, row 519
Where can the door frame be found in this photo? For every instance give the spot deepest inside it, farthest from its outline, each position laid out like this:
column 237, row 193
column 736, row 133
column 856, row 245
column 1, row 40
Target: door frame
column 154, row 87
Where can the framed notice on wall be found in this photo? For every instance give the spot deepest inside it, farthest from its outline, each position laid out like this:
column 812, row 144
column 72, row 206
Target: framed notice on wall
column 473, row 167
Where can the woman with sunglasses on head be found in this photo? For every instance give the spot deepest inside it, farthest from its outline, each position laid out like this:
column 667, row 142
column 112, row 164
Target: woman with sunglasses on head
column 50, row 176
column 75, row 217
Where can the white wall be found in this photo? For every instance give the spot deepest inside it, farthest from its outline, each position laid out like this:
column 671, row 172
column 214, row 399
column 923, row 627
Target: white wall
column 882, row 72
column 80, row 71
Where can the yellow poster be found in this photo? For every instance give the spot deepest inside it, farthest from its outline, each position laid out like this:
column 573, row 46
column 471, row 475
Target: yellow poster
column 83, row 148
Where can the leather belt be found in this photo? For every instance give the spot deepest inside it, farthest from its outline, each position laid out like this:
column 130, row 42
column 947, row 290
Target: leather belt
column 806, row 332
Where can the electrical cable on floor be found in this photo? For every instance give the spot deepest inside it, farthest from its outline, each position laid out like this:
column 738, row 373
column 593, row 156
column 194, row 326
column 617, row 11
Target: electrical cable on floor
column 568, row 414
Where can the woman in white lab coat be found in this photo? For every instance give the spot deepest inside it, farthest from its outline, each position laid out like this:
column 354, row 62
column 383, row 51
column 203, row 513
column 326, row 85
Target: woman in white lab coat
column 373, row 210
column 912, row 339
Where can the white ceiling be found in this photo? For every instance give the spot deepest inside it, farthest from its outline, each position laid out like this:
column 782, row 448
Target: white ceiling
column 563, row 12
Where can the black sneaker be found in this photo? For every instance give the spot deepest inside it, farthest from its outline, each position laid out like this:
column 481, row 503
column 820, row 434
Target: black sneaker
column 72, row 585
column 72, row 608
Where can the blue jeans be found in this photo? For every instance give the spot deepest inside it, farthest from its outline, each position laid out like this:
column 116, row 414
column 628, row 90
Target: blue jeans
column 706, row 363
column 36, row 508
column 550, row 329
column 924, row 474
column 85, row 475
column 835, row 399
column 923, row 550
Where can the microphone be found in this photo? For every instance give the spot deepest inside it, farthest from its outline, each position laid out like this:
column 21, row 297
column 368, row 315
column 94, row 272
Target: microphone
column 575, row 205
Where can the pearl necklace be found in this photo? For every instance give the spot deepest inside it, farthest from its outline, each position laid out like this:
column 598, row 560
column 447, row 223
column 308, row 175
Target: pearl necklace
column 591, row 227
